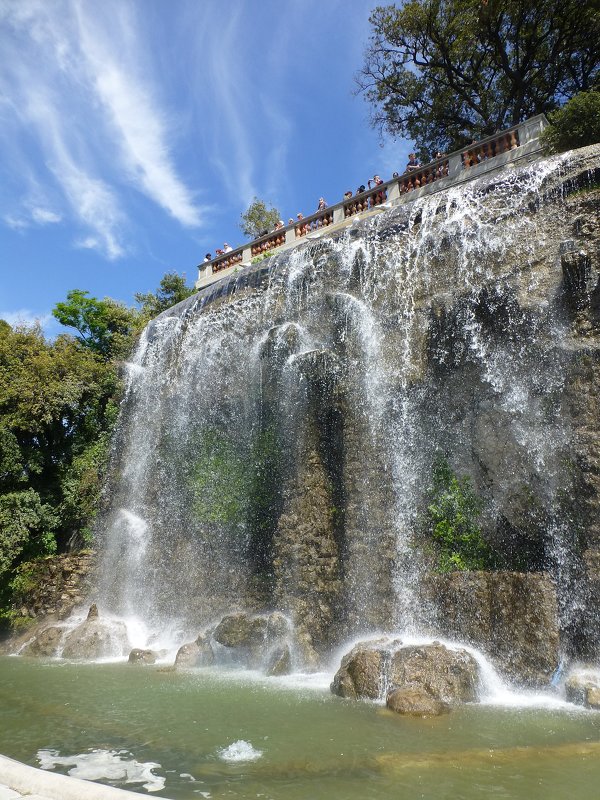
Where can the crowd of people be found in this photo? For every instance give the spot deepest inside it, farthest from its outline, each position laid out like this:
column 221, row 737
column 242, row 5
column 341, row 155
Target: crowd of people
column 365, row 197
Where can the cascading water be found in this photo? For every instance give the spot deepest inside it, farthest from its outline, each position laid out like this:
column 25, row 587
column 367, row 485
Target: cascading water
column 279, row 428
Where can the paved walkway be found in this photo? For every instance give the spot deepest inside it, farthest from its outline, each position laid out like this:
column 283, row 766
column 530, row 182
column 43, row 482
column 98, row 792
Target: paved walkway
column 19, row 780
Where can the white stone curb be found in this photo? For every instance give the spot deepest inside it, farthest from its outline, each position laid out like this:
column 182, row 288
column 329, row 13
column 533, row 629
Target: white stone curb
column 38, row 784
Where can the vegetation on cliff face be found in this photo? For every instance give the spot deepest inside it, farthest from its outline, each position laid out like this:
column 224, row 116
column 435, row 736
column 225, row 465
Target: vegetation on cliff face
column 452, row 518
column 58, row 406
column 443, row 71
column 577, row 124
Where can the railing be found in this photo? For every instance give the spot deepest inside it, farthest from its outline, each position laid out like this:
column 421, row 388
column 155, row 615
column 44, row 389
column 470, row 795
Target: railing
column 365, row 200
column 423, row 176
column 522, row 137
column 490, row 147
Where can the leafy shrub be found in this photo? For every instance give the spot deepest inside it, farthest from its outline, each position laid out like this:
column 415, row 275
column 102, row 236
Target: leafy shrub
column 261, row 257
column 576, row 124
column 452, row 521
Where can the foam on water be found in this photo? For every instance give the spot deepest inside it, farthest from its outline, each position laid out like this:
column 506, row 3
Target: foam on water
column 239, row 751
column 116, row 766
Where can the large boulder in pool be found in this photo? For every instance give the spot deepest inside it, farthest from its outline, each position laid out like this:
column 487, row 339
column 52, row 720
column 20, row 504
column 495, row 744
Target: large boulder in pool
column 451, row 676
column 96, row 638
column 139, row 656
column 195, row 654
column 251, row 639
column 362, row 671
column 45, row 643
column 375, row 668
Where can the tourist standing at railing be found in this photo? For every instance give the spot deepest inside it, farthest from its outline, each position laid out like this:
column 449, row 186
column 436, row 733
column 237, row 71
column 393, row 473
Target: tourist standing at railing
column 227, row 248
column 412, row 163
column 322, row 204
column 207, row 258
column 378, row 198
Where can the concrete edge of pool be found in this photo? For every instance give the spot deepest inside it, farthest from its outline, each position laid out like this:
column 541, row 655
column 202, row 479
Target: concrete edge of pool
column 36, row 783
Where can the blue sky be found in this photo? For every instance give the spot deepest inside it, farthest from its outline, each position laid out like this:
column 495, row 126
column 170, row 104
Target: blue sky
column 133, row 133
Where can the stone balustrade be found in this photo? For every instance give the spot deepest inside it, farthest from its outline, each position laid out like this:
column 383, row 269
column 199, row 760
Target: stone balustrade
column 477, row 158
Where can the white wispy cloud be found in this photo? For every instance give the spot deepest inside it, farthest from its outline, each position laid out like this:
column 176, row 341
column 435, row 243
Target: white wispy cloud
column 44, row 216
column 139, row 123
column 75, row 78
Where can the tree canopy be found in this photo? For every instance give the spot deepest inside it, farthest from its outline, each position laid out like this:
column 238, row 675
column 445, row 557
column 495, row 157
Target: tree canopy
column 58, row 406
column 441, row 72
column 258, row 219
column 171, row 290
column 103, row 325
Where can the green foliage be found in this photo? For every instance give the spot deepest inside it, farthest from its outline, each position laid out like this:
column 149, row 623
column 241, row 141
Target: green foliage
column 58, row 404
column 261, row 257
column 576, row 124
column 172, row 290
column 26, row 527
column 443, row 71
column 258, row 218
column 452, row 521
column 104, row 326
column 220, row 480
column 230, row 481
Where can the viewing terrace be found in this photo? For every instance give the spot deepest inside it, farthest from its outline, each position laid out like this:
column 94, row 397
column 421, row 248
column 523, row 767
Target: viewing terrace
column 507, row 148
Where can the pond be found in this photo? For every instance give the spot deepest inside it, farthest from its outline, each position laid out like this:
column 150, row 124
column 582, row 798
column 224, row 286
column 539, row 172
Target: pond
column 214, row 734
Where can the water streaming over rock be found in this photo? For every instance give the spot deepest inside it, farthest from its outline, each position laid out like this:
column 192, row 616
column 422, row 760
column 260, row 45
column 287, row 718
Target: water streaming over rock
column 279, row 428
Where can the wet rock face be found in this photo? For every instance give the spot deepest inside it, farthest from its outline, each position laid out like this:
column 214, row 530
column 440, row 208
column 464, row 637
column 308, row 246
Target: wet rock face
column 58, row 585
column 511, row 616
column 255, row 641
column 583, row 689
column 95, row 639
column 45, row 643
column 241, row 630
column 444, row 675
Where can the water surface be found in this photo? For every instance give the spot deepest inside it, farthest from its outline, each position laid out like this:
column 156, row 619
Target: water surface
column 218, row 735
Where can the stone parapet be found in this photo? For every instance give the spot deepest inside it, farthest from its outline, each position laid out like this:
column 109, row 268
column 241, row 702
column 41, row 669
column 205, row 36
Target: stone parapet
column 493, row 153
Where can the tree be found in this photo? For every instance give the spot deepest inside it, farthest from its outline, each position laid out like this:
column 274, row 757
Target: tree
column 172, row 290
column 258, row 219
column 441, row 72
column 104, row 326
column 576, row 124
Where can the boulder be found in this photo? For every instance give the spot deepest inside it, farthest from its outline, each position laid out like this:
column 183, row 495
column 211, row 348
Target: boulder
column 279, row 662
column 45, row 643
column 415, row 701
column 249, row 639
column 241, row 630
column 138, row 656
column 95, row 639
column 451, row 676
column 195, row 654
column 583, row 690
column 371, row 668
column 361, row 673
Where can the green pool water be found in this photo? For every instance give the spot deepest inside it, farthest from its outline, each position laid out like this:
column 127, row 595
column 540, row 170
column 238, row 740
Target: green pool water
column 312, row 745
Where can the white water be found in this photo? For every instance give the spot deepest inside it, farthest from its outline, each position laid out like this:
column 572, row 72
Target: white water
column 108, row 765
column 241, row 365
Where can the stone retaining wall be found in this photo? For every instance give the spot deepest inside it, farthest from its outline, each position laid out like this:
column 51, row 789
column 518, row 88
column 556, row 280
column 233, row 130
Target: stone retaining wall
column 55, row 585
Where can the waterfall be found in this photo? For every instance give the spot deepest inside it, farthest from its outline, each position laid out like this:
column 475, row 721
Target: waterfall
column 278, row 430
